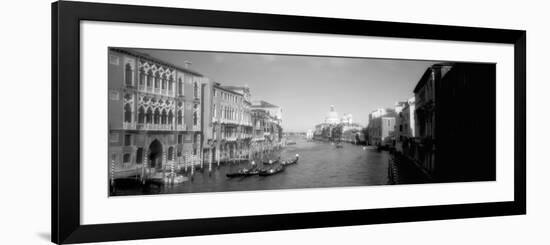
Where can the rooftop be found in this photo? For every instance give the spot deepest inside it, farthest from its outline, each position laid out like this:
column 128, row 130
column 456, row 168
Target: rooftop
column 153, row 59
column 427, row 74
column 263, row 104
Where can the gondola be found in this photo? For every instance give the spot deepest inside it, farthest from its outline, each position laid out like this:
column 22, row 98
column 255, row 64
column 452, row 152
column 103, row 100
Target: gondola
column 271, row 162
column 243, row 172
column 290, row 161
column 272, row 171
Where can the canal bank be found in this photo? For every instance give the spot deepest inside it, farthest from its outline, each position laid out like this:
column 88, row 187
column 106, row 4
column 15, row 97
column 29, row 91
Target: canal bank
column 321, row 165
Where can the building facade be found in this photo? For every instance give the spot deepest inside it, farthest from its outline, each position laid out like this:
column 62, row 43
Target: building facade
column 425, row 116
column 231, row 123
column 332, row 116
column 339, row 129
column 405, row 128
column 267, row 127
column 381, row 127
column 353, row 133
column 154, row 112
column 453, row 130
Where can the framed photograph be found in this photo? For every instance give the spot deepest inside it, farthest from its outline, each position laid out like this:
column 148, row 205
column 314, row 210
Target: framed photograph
column 174, row 122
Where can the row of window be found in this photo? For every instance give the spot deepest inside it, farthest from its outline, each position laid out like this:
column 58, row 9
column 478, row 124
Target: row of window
column 126, row 157
column 128, row 139
column 231, row 132
column 229, row 97
column 170, row 154
column 158, row 116
column 150, row 80
column 230, row 113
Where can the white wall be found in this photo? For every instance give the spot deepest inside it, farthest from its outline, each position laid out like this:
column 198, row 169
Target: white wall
column 25, row 82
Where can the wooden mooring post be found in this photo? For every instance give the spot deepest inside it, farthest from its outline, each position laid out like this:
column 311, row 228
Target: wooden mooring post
column 112, row 175
column 210, row 160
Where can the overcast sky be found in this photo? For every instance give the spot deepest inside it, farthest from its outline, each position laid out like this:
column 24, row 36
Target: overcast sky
column 306, row 86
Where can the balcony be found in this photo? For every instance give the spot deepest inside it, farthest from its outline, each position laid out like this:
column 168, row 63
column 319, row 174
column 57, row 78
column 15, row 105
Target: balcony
column 245, row 123
column 231, row 138
column 258, row 139
column 151, row 126
column 129, row 125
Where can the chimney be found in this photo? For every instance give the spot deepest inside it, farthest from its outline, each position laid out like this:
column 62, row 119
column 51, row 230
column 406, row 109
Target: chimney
column 186, row 64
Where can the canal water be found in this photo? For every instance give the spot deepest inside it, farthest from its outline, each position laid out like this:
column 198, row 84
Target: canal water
column 321, row 164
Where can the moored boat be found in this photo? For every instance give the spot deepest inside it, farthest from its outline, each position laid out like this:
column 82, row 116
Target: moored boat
column 290, row 161
column 243, row 172
column 270, row 162
column 272, row 171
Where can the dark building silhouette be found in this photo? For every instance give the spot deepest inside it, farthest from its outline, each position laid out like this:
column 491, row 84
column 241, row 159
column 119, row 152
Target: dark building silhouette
column 456, row 122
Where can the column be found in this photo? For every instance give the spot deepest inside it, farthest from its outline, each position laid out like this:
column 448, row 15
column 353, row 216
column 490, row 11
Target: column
column 163, row 163
column 144, row 165
column 218, row 155
column 210, row 160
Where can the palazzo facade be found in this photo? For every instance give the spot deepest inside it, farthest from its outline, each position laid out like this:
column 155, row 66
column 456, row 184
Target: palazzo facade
column 154, row 111
column 231, row 123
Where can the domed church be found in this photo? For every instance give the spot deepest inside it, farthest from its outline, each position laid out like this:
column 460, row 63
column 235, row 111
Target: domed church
column 332, row 116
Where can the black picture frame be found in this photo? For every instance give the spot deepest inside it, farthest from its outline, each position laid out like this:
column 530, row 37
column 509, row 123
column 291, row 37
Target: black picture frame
column 66, row 18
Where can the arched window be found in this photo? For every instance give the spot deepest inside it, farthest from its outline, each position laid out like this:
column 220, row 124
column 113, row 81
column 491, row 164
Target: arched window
column 128, row 74
column 180, row 118
column 149, row 116
column 139, row 155
column 163, row 117
column 195, row 115
column 141, row 115
column 142, row 77
column 127, row 113
column 163, row 82
column 149, row 79
column 170, row 117
column 196, row 89
column 156, row 116
column 157, row 81
column 171, row 153
column 170, row 84
column 180, row 86
column 126, row 158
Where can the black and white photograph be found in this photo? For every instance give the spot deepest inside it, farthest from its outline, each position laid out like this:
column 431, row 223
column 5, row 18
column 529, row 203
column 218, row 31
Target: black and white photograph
column 275, row 122
column 191, row 121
